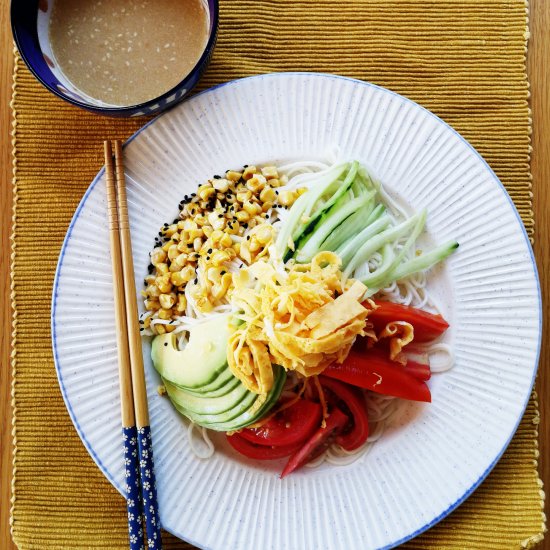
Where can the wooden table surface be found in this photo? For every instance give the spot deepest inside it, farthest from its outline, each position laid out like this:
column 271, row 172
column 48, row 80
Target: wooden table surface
column 539, row 70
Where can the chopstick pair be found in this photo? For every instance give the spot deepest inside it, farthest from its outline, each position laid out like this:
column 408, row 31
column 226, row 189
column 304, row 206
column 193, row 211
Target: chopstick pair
column 141, row 494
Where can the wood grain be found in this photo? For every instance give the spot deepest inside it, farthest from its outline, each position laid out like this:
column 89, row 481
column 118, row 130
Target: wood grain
column 538, row 64
column 539, row 61
column 6, row 48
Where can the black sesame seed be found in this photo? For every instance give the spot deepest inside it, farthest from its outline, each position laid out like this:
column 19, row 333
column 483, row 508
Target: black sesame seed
column 209, row 251
column 142, row 329
column 217, row 177
column 245, row 166
column 223, row 272
column 165, row 343
column 195, row 281
column 248, row 237
column 207, row 258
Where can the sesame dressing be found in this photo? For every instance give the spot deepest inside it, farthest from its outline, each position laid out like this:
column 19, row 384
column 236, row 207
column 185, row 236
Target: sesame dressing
column 125, row 52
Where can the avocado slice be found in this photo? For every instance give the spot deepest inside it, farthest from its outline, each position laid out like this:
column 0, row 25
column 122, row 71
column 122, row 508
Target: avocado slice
column 239, row 402
column 228, row 421
column 200, row 362
column 223, row 389
column 206, row 404
column 224, row 378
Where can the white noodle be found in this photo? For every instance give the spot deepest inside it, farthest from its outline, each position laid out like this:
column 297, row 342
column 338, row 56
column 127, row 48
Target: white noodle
column 446, row 357
column 294, row 169
column 203, row 448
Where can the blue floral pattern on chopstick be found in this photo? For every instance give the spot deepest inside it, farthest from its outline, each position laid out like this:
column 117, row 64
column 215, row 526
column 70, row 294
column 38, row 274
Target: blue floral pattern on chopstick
column 133, row 501
column 149, row 488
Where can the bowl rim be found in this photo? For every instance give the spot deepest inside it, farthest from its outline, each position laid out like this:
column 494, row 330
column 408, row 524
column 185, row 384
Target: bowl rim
column 124, row 109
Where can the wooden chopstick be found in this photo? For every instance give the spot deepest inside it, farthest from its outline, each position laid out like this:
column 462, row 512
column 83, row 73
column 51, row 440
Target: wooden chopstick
column 134, row 339
column 126, row 398
column 129, row 430
column 138, row 451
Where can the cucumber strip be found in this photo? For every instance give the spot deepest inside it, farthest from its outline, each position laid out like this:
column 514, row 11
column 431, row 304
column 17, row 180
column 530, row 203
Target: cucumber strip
column 334, row 217
column 367, row 179
column 340, row 191
column 388, row 259
column 324, row 184
column 378, row 241
column 349, row 248
column 348, row 228
column 286, row 229
column 375, row 214
column 424, row 261
column 380, row 275
column 364, row 219
column 415, row 265
column 304, row 204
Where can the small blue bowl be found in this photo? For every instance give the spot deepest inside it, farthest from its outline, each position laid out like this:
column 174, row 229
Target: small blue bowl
column 29, row 23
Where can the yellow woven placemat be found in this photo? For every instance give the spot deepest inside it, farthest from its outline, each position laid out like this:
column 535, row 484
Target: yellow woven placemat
column 463, row 60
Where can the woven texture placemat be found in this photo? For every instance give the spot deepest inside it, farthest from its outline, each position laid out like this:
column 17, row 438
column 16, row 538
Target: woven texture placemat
column 463, row 60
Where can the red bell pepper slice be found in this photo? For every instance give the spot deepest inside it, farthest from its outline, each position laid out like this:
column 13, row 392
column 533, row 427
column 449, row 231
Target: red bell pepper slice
column 291, row 425
column 376, row 372
column 355, row 403
column 261, row 452
column 319, row 441
column 427, row 326
column 418, row 364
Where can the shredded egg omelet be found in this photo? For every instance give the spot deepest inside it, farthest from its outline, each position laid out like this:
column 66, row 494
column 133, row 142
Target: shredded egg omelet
column 301, row 316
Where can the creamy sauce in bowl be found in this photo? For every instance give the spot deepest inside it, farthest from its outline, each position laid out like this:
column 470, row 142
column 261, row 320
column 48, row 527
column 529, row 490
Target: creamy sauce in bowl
column 126, row 52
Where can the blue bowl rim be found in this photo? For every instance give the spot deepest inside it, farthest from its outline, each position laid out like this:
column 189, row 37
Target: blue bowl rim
column 215, row 16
